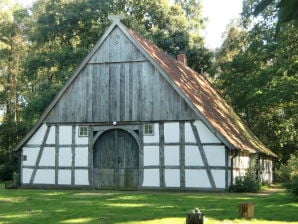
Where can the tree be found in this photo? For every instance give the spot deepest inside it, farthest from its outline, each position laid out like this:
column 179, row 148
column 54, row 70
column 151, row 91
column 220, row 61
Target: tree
column 287, row 10
column 12, row 53
column 258, row 75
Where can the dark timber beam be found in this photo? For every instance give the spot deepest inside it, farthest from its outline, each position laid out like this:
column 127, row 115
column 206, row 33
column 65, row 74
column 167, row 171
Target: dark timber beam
column 203, row 155
column 45, row 137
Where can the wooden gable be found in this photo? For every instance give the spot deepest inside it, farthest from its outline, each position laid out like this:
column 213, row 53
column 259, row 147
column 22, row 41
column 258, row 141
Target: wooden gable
column 118, row 83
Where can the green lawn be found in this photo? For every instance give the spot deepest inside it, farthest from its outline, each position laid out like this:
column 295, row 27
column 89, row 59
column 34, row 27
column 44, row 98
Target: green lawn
column 111, row 207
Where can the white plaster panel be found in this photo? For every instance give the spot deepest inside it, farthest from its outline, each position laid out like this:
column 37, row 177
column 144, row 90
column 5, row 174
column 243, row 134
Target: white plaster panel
column 38, row 135
column 172, row 177
column 65, row 133
column 48, row 157
column 151, row 155
column 81, row 157
column 80, row 140
column 172, row 155
column 219, row 177
column 193, row 156
column 151, row 178
column 189, row 136
column 81, row 177
column 31, row 154
column 45, row 176
column 205, row 134
column 65, row 157
column 64, row 177
column 196, row 178
column 171, row 132
column 26, row 175
column 152, row 138
column 51, row 136
column 215, row 155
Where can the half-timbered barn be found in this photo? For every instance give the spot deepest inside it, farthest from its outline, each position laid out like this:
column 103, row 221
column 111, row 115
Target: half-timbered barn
column 133, row 117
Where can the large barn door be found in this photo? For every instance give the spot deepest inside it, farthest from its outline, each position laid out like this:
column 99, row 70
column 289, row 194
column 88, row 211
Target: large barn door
column 116, row 160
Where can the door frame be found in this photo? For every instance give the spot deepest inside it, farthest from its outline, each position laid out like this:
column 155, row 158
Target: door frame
column 97, row 131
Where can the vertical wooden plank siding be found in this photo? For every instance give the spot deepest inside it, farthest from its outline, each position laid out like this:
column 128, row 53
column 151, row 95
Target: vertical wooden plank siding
column 44, row 140
column 203, row 155
column 182, row 154
column 56, row 153
column 90, row 156
column 161, row 155
column 73, row 154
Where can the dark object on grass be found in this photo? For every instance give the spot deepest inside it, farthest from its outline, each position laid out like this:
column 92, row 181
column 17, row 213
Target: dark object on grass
column 246, row 210
column 194, row 217
column 10, row 185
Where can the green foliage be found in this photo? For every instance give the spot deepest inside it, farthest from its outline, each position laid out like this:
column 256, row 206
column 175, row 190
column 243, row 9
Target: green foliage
column 286, row 171
column 249, row 182
column 287, row 10
column 257, row 73
column 292, row 186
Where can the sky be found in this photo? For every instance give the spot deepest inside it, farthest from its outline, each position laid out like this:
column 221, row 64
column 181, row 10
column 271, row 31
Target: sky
column 219, row 13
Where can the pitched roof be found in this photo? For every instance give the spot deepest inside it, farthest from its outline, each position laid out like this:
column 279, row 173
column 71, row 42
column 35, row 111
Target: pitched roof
column 193, row 87
column 205, row 99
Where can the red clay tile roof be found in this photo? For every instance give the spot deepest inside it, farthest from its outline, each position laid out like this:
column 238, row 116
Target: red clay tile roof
column 206, row 99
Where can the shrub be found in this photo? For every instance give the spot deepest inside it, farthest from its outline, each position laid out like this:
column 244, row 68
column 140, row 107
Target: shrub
column 292, row 186
column 247, row 183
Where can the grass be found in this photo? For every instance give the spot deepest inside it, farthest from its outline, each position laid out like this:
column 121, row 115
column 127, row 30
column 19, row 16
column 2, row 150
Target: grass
column 116, row 207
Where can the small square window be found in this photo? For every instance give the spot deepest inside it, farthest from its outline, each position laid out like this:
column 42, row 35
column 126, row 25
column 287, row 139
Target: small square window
column 24, row 157
column 83, row 131
column 148, row 129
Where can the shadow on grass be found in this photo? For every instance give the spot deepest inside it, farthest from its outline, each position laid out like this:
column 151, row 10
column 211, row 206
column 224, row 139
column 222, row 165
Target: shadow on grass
column 108, row 207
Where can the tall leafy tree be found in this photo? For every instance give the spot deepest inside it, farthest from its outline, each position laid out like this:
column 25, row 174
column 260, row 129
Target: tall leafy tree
column 12, row 53
column 258, row 74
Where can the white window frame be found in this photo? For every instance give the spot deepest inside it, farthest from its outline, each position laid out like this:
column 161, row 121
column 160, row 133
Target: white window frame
column 83, row 131
column 148, row 129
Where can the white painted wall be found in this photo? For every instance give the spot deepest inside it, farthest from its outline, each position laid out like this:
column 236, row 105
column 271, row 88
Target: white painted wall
column 81, row 177
column 81, row 156
column 65, row 157
column 151, row 155
column 215, row 155
column 31, row 154
column 196, row 179
column 171, row 155
column 171, row 132
column 51, row 136
column 38, row 136
column 266, row 174
column 240, row 165
column 189, row 136
column 26, row 175
column 172, row 177
column 45, row 176
column 219, row 178
column 80, row 140
column 152, row 138
column 151, row 178
column 205, row 134
column 64, row 177
column 193, row 156
column 65, row 133
column 48, row 157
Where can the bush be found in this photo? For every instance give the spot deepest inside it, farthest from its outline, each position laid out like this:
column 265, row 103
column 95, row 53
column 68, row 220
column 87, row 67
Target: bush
column 248, row 183
column 286, row 172
column 292, row 186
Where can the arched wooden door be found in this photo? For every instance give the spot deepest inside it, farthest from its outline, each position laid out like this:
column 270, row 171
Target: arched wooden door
column 116, row 160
